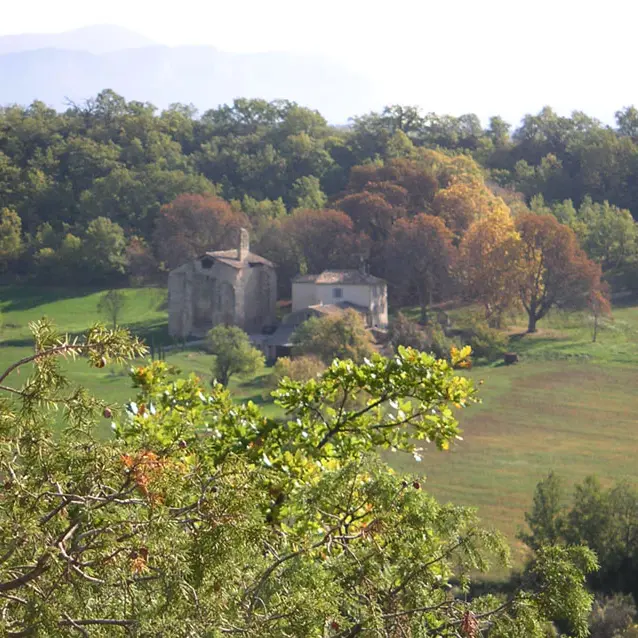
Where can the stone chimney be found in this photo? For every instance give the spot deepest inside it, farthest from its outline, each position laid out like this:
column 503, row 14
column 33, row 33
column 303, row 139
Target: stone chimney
column 243, row 247
column 363, row 265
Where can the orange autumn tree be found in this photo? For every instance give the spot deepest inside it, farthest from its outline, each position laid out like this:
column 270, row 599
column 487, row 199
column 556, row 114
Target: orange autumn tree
column 371, row 212
column 192, row 224
column 311, row 241
column 419, row 256
column 489, row 265
column 555, row 270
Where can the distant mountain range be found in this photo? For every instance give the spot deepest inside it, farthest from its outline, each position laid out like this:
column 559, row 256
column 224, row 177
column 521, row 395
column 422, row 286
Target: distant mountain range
column 104, row 38
column 78, row 64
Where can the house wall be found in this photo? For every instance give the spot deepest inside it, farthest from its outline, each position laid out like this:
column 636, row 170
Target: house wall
column 373, row 297
column 357, row 294
column 179, row 305
column 256, row 305
column 304, row 295
column 200, row 298
column 379, row 305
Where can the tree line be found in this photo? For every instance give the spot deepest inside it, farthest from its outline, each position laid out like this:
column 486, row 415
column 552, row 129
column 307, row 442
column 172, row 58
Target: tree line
column 111, row 190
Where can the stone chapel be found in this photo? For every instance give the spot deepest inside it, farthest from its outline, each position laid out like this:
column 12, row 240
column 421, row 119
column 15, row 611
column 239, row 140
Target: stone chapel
column 232, row 287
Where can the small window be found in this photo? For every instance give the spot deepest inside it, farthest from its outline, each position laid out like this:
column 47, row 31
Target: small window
column 337, row 293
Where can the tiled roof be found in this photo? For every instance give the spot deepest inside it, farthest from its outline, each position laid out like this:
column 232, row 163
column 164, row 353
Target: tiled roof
column 343, row 277
column 229, row 257
column 305, row 279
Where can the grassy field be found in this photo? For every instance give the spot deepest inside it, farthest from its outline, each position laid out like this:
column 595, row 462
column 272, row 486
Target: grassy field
column 75, row 310
column 569, row 405
column 574, row 418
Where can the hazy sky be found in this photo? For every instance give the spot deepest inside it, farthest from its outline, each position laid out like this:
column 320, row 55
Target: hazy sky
column 494, row 56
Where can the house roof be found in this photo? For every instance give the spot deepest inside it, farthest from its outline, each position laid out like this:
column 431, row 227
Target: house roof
column 282, row 336
column 344, row 277
column 229, row 257
column 338, row 308
column 299, row 316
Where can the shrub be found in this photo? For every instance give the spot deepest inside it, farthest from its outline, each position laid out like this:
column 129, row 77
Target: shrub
column 487, row 343
column 343, row 336
column 410, row 334
column 297, row 369
column 612, row 617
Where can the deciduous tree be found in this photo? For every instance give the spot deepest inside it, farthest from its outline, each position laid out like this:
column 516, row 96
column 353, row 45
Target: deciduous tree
column 307, row 193
column 418, row 256
column 192, row 224
column 104, row 248
column 464, row 202
column 599, row 302
column 203, row 516
column 489, row 265
column 111, row 305
column 556, row 271
column 603, row 519
column 311, row 241
column 341, row 336
column 608, row 234
column 234, row 354
column 10, row 237
column 371, row 213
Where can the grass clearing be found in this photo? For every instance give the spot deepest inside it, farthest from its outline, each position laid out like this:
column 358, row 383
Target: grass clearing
column 576, row 419
column 75, row 310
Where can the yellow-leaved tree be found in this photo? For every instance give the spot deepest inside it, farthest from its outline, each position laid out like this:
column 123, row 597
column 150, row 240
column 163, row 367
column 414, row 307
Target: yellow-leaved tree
column 489, row 265
column 466, row 201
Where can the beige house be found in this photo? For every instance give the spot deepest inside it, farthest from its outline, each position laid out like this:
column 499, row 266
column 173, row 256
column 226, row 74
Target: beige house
column 234, row 287
column 339, row 289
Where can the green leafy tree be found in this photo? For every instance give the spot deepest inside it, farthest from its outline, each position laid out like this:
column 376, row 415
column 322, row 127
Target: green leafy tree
column 605, row 520
column 546, row 521
column 10, row 237
column 205, row 517
column 111, row 305
column 62, row 263
column 307, row 193
column 608, row 234
column 105, row 249
column 343, row 336
column 233, row 352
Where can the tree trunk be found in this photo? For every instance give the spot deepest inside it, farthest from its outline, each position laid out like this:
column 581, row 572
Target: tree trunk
column 531, row 324
column 595, row 328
